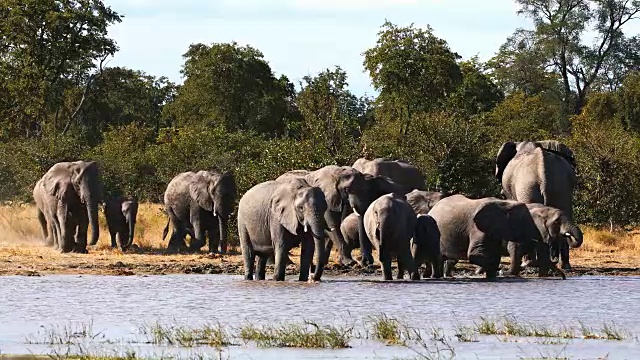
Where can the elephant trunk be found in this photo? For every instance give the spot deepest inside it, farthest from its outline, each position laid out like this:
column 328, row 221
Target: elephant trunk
column 92, row 212
column 224, row 233
column 131, row 220
column 574, row 236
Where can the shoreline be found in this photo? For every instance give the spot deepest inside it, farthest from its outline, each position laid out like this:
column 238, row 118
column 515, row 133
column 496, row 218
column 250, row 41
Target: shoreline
column 34, row 260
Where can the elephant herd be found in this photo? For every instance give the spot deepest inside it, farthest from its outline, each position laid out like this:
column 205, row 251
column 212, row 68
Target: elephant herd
column 376, row 204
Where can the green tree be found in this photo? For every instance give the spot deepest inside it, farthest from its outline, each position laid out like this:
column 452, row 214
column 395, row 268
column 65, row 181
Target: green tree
column 121, row 96
column 45, row 47
column 477, row 93
column 520, row 66
column 233, row 86
column 560, row 26
column 413, row 70
column 333, row 116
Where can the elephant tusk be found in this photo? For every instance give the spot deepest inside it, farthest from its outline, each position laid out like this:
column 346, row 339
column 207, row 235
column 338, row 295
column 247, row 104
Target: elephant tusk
column 214, row 213
column 305, row 227
column 356, row 212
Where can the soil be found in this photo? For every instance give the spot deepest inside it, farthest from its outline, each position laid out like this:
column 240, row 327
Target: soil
column 34, row 260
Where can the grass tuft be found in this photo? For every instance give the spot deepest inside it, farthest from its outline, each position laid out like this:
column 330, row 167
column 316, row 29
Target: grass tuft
column 305, row 335
column 208, row 335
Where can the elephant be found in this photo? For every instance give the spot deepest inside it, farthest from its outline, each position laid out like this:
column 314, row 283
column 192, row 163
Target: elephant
column 422, row 201
column 390, row 223
column 121, row 214
column 338, row 183
column 199, row 203
column 474, row 229
column 541, row 172
column 275, row 216
column 399, row 171
column 67, row 199
column 551, row 225
column 425, row 248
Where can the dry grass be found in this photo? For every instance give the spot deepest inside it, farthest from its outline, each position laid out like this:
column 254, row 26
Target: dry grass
column 22, row 250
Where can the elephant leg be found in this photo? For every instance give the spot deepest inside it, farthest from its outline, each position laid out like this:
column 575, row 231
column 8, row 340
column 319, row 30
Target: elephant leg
column 281, row 256
column 386, row 269
column 435, row 265
column 449, row 265
column 544, row 259
column 44, row 231
column 114, row 243
column 214, row 237
column 418, row 260
column 401, row 269
column 328, row 246
column 249, row 255
column 199, row 239
column 531, row 258
column 333, row 222
column 564, row 254
column 365, row 244
column 405, row 258
column 82, row 227
column 515, row 256
column 67, row 230
column 262, row 267
column 307, row 247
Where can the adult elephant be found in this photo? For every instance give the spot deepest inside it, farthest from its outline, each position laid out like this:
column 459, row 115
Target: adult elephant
column 121, row 214
column 337, row 183
column 401, row 172
column 551, row 226
column 275, row 216
column 539, row 172
column 199, row 204
column 390, row 224
column 67, row 199
column 474, row 229
column 423, row 201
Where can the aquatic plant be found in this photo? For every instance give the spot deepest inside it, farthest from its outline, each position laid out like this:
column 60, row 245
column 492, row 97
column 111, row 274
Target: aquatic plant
column 300, row 335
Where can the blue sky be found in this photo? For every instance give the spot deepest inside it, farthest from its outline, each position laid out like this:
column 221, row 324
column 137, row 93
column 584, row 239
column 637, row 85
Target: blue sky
column 300, row 37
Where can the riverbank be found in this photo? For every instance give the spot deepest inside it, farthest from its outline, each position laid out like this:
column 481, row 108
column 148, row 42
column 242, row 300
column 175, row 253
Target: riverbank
column 23, row 253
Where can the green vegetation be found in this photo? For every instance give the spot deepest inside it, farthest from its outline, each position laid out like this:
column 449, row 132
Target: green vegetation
column 66, row 334
column 183, row 336
column 304, row 335
column 447, row 115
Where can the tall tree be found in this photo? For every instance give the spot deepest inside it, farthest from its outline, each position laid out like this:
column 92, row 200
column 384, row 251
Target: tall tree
column 477, row 93
column 233, row 86
column 560, row 26
column 413, row 69
column 333, row 116
column 45, row 46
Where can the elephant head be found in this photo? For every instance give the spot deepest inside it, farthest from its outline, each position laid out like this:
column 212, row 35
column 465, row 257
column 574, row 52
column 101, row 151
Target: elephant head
column 553, row 225
column 423, row 201
column 337, row 183
column 215, row 192
column 300, row 209
column 130, row 212
column 77, row 181
column 374, row 187
column 506, row 220
column 505, row 154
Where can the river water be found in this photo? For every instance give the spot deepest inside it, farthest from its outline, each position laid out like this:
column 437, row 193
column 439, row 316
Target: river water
column 118, row 305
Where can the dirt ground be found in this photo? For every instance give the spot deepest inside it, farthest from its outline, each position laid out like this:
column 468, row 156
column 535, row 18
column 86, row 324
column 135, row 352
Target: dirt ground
column 37, row 260
column 22, row 252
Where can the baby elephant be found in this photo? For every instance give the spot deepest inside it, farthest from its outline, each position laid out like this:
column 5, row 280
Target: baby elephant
column 121, row 216
column 389, row 223
column 425, row 248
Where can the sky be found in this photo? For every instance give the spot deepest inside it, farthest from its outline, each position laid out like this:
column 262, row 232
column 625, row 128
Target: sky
column 300, row 37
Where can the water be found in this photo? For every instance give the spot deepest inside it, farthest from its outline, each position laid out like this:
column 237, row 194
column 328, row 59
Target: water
column 119, row 305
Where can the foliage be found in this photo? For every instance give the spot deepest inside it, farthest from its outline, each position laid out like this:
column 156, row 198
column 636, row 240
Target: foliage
column 232, row 86
column 477, row 93
column 560, row 26
column 47, row 46
column 333, row 117
column 414, row 71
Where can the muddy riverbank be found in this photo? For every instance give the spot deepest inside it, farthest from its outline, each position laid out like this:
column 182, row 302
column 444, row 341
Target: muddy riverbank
column 33, row 260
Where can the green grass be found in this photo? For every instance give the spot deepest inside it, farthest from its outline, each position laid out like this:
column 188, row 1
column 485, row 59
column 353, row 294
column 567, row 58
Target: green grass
column 207, row 335
column 305, row 335
column 388, row 330
column 66, row 334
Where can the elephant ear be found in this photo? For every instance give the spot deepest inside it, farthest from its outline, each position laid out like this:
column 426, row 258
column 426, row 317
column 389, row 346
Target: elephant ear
column 381, row 185
column 283, row 207
column 199, row 191
column 505, row 154
column 328, row 183
column 559, row 149
column 494, row 220
column 57, row 181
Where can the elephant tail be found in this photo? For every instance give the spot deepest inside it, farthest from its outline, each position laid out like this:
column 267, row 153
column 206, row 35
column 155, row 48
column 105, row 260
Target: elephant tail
column 166, row 228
